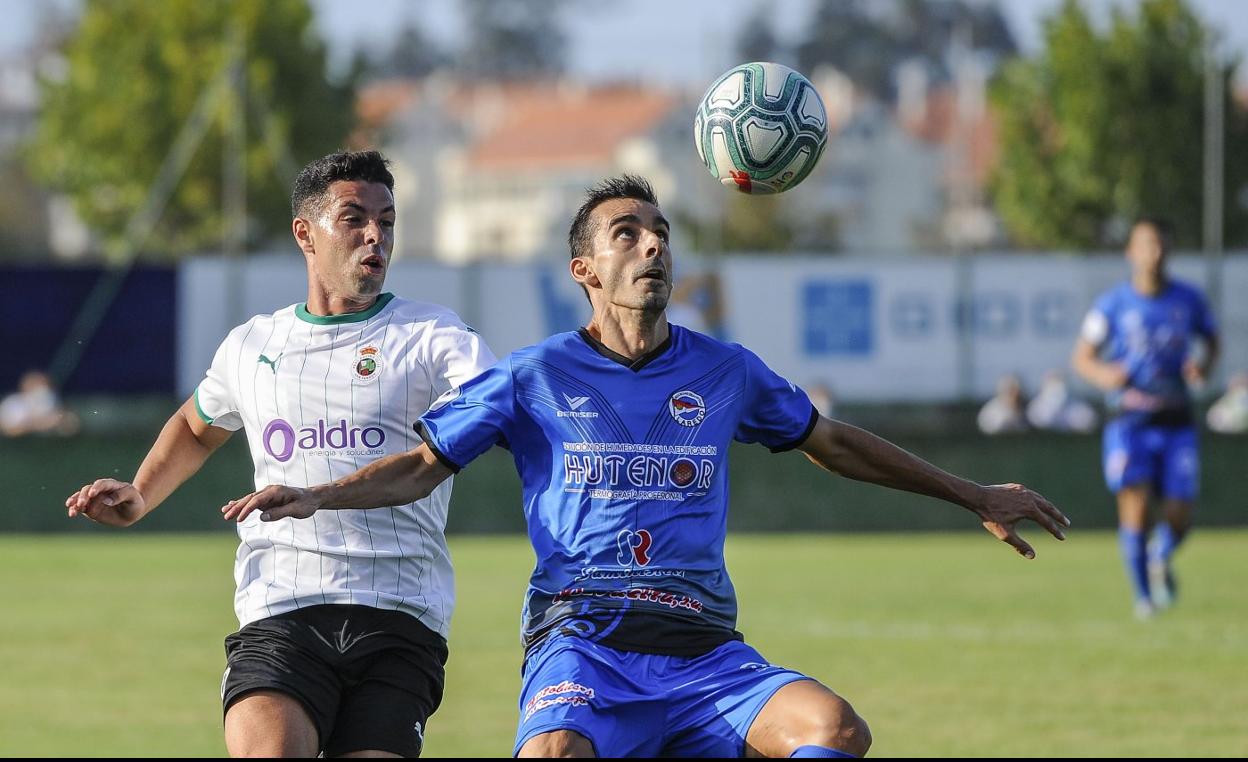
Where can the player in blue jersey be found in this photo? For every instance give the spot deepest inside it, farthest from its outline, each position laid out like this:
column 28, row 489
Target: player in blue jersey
column 620, row 432
column 1136, row 345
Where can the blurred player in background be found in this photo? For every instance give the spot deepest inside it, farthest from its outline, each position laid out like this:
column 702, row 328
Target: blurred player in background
column 343, row 618
column 620, row 432
column 1136, row 344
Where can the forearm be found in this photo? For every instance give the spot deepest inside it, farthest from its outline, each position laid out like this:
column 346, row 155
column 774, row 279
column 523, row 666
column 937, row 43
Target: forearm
column 1103, row 375
column 863, row 456
column 393, row 480
column 175, row 457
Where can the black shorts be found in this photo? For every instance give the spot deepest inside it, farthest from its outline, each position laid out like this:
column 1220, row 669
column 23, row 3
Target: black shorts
column 369, row 678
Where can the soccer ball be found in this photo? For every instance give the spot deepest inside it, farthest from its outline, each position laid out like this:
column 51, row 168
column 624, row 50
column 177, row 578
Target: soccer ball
column 760, row 128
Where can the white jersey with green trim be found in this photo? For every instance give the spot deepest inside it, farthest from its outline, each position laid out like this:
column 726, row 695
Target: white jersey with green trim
column 319, row 398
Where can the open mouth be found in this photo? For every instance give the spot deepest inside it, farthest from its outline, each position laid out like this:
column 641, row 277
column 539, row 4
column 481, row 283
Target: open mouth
column 653, row 273
column 374, row 263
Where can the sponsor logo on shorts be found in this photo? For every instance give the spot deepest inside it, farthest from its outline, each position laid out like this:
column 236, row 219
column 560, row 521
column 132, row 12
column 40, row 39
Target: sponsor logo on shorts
column 567, row 692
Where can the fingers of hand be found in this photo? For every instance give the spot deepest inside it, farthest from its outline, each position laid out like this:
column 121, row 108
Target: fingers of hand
column 237, row 509
column 1007, row 535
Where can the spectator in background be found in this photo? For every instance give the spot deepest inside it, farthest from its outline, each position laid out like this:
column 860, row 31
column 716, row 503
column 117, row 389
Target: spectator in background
column 1229, row 415
column 1004, row 413
column 35, row 408
column 822, row 398
column 1054, row 408
column 696, row 304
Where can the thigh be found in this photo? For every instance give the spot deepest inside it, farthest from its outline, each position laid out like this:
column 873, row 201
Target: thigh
column 266, row 723
column 1181, row 470
column 807, row 714
column 273, row 657
column 714, row 705
column 1127, row 460
column 393, row 680
column 571, row 684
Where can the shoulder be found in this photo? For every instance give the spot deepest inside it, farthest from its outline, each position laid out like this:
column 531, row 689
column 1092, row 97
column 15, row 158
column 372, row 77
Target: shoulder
column 427, row 321
column 1114, row 296
column 259, row 324
column 1186, row 291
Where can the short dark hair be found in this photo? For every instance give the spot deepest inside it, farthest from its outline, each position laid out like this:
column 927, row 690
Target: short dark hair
column 625, row 186
column 314, row 180
column 1163, row 226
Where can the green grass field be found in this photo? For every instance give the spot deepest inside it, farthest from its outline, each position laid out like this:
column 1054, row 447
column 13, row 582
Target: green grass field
column 949, row 644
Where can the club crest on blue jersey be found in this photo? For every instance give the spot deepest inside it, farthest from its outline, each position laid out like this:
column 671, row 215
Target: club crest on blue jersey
column 687, row 408
column 367, row 364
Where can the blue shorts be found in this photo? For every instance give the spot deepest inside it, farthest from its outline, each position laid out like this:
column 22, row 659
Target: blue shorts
column 1165, row 458
column 645, row 705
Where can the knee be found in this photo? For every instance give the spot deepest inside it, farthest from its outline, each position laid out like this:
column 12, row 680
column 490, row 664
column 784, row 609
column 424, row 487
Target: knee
column 839, row 727
column 564, row 744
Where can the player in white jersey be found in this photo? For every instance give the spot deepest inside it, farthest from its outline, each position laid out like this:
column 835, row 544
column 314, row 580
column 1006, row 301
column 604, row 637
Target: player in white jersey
column 343, row 620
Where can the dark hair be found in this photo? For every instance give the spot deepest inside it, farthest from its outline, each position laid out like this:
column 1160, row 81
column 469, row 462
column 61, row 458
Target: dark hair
column 624, row 186
column 1164, row 228
column 314, row 180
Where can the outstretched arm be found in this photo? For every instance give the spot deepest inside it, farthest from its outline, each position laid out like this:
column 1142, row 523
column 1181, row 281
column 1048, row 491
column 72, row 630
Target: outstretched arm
column 1107, row 376
column 393, row 480
column 181, row 449
column 860, row 455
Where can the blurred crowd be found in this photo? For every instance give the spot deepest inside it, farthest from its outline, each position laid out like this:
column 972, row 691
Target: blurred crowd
column 1056, row 408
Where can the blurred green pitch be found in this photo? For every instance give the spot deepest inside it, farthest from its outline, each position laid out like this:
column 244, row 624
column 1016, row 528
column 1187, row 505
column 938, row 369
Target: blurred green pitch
column 948, row 644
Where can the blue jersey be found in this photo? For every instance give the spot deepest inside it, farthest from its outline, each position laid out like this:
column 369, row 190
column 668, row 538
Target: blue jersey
column 1151, row 337
column 625, row 478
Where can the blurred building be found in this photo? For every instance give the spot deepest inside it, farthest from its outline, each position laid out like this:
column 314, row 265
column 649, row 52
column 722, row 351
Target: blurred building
column 494, row 170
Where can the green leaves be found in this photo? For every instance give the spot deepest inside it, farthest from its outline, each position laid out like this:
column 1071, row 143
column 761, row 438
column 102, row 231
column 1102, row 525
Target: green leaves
column 135, row 72
column 1105, row 125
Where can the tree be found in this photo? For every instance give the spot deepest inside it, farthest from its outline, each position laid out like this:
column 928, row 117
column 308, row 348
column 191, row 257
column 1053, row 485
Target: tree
column 412, row 54
column 512, row 39
column 135, row 72
column 868, row 39
column 1103, row 126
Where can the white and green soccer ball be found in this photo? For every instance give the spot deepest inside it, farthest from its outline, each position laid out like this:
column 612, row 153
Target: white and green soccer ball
column 760, row 128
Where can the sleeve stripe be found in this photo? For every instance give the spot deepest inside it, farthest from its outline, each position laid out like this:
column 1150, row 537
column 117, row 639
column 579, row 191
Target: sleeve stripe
column 810, row 426
column 420, row 429
column 198, row 409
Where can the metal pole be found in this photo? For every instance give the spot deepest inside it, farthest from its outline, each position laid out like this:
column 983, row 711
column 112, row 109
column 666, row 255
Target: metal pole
column 234, row 167
column 1214, row 171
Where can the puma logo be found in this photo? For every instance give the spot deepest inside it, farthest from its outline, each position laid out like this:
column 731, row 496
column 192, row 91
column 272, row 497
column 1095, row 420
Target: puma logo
column 271, row 363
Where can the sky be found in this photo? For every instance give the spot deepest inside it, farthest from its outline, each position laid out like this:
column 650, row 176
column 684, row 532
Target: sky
column 669, row 42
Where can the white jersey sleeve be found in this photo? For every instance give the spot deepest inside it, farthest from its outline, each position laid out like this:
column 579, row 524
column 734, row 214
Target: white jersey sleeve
column 215, row 400
column 456, row 354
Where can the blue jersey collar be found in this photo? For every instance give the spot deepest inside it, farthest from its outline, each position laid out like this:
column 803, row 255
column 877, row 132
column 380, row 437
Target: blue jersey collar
column 631, row 364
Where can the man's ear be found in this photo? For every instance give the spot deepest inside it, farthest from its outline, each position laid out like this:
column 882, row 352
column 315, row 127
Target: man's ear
column 302, row 231
column 583, row 272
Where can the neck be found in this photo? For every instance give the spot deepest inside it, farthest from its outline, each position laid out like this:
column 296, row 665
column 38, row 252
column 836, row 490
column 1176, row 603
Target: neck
column 1149, row 284
column 628, row 332
column 322, row 302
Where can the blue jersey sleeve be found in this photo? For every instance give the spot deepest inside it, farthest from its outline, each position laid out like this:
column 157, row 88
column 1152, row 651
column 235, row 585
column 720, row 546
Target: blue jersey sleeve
column 775, row 413
column 472, row 418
